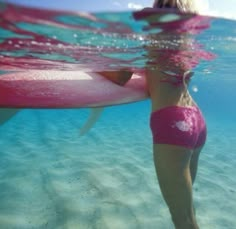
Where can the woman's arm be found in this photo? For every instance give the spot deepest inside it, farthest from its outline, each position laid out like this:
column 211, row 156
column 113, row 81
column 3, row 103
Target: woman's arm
column 118, row 77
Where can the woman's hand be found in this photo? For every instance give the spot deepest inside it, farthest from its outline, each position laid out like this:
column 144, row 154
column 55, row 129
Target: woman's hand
column 118, row 77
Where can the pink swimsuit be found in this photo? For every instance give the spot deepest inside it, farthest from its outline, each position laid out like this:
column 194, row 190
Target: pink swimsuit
column 181, row 126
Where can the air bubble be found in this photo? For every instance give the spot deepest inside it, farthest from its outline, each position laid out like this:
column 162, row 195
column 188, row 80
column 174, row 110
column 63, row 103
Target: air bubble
column 194, row 88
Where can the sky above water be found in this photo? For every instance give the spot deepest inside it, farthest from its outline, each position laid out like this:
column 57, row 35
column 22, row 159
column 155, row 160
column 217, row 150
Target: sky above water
column 212, row 7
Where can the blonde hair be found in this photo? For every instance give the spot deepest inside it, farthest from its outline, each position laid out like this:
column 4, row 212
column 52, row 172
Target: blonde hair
column 190, row 6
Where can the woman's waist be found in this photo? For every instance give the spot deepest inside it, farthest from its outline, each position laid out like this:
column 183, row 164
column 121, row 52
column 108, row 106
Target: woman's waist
column 162, row 101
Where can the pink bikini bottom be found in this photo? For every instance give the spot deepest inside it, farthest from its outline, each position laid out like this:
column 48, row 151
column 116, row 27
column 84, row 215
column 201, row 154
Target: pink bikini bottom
column 181, row 126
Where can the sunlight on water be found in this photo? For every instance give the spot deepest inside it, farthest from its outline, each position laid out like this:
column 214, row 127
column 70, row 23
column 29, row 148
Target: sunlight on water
column 93, row 40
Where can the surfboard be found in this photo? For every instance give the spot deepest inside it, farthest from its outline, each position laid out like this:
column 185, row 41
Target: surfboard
column 66, row 89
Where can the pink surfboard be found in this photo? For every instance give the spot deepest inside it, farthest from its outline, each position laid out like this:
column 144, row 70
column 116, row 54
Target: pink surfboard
column 66, row 89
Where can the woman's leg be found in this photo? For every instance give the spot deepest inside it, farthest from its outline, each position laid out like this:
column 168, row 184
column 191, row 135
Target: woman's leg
column 194, row 163
column 173, row 171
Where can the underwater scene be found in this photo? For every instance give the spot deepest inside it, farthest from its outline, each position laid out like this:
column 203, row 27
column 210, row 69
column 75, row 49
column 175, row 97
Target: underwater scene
column 54, row 177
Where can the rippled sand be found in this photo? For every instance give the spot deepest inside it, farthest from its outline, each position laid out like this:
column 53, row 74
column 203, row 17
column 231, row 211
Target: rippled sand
column 52, row 178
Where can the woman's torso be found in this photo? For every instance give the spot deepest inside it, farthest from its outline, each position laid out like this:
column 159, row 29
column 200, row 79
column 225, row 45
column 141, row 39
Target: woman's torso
column 164, row 92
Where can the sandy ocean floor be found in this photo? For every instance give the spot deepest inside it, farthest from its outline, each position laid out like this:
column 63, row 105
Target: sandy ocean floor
column 52, row 178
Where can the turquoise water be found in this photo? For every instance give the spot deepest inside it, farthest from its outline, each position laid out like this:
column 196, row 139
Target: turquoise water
column 50, row 177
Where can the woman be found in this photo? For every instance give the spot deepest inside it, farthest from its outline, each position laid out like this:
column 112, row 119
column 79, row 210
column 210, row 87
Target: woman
column 178, row 127
column 179, row 132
